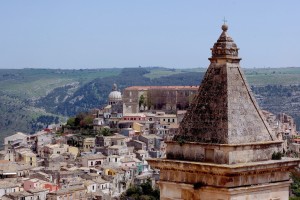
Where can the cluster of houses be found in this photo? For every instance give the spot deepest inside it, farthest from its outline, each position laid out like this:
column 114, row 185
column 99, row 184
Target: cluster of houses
column 47, row 165
column 285, row 128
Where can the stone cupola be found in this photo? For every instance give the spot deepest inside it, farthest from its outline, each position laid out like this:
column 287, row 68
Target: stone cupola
column 225, row 47
column 224, row 111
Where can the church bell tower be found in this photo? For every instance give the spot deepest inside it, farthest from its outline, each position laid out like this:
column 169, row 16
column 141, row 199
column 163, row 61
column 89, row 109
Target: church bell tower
column 224, row 146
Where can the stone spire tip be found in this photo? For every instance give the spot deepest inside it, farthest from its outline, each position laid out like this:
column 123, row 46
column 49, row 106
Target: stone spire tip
column 224, row 27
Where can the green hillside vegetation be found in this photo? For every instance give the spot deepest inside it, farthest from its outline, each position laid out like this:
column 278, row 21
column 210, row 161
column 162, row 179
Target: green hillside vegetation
column 34, row 83
column 21, row 88
column 28, row 94
column 273, row 76
column 17, row 116
column 163, row 72
column 95, row 93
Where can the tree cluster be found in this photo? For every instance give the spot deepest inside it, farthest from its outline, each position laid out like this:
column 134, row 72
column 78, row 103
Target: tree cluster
column 81, row 120
column 295, row 186
column 141, row 192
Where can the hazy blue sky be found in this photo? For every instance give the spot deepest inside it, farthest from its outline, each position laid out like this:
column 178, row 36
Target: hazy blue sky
column 128, row 33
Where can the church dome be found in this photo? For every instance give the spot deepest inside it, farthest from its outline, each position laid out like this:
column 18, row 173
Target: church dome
column 114, row 96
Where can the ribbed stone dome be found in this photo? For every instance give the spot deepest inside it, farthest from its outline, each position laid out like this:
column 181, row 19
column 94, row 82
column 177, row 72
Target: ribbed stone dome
column 114, row 96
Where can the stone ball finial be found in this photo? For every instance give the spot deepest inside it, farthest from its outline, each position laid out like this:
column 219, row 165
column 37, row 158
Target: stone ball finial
column 224, row 27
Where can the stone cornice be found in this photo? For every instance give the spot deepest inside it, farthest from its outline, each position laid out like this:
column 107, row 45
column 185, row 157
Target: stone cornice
column 230, row 145
column 223, row 169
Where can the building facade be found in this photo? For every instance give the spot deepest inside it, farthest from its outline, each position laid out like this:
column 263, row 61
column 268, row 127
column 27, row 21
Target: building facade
column 167, row 98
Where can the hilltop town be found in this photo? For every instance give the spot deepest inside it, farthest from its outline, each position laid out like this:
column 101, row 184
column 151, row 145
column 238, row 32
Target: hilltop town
column 101, row 154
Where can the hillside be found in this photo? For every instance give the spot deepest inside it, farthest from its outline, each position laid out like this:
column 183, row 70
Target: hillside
column 32, row 98
column 95, row 93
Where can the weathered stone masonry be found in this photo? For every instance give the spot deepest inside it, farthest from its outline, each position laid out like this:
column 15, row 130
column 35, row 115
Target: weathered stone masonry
column 224, row 146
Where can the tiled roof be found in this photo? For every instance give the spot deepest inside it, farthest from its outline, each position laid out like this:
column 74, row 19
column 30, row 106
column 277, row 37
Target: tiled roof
column 94, row 156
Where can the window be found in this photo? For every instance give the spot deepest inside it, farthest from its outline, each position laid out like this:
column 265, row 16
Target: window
column 116, row 159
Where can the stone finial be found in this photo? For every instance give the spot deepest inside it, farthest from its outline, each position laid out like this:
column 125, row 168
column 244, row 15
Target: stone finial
column 225, row 47
column 224, row 27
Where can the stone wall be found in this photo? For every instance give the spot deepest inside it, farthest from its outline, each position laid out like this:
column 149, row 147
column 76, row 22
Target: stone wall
column 274, row 191
column 222, row 154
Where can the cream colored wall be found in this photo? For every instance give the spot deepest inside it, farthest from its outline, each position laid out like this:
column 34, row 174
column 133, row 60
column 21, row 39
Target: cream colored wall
column 87, row 145
column 137, row 127
column 74, row 151
column 29, row 161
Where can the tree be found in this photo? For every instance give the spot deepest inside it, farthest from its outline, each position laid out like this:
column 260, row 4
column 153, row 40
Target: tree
column 87, row 120
column 141, row 192
column 71, row 121
column 141, row 100
column 105, row 132
column 295, row 187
